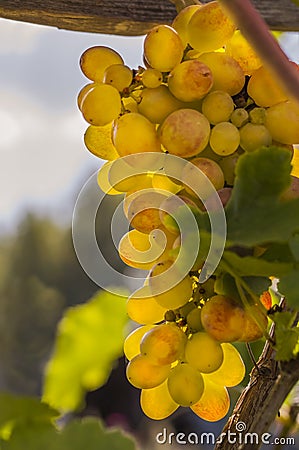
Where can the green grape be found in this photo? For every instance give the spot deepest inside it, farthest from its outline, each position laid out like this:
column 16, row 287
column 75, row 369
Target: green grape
column 282, row 121
column 223, row 318
column 239, row 48
column 203, row 352
column 214, row 403
column 156, row 403
column 228, row 166
column 181, row 20
column 119, row 76
column 132, row 341
column 239, row 117
column 95, row 60
column 152, row 78
column 190, row 81
column 143, row 212
column 232, row 370
column 217, row 106
column 194, row 320
column 143, row 374
column 225, row 138
column 209, row 28
column 163, row 48
column 258, row 116
column 185, row 132
column 264, row 88
column 157, row 103
column 178, row 294
column 143, row 308
column 134, row 133
column 185, row 384
column 228, row 75
column 209, row 168
column 164, row 344
column 98, row 141
column 83, row 92
column 254, row 136
column 101, row 105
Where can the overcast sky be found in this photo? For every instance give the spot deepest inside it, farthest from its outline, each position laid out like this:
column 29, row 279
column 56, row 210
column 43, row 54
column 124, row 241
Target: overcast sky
column 42, row 156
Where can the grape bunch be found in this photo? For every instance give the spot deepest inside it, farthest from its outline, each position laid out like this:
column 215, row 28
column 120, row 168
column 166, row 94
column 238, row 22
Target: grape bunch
column 205, row 97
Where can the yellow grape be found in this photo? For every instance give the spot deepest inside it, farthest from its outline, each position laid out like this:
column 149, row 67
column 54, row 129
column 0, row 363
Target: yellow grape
column 185, row 384
column 209, row 168
column 181, row 20
column 103, row 180
column 217, row 106
column 164, row 344
column 143, row 308
column 228, row 165
column 264, row 89
column 282, row 121
column 295, row 163
column 132, row 341
column 185, row 132
column 101, row 105
column 143, row 210
column 152, row 78
column 163, row 48
column 225, row 138
column 227, row 73
column 134, row 133
column 156, row 403
column 254, row 136
column 232, row 370
column 130, row 105
column 214, row 402
column 143, row 374
column 194, row 320
column 190, row 80
column 124, row 177
column 239, row 117
column 175, row 296
column 119, row 76
column 162, row 181
column 257, row 115
column 83, row 92
column 239, row 48
column 209, row 28
column 98, row 141
column 256, row 322
column 95, row 60
column 203, row 352
column 157, row 103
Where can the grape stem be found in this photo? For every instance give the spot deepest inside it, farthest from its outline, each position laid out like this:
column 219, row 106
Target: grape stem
column 256, row 31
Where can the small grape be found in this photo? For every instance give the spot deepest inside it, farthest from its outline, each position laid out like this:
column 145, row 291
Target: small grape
column 118, row 76
column 239, row 117
column 194, row 320
column 152, row 78
column 253, row 136
column 258, row 116
column 224, row 138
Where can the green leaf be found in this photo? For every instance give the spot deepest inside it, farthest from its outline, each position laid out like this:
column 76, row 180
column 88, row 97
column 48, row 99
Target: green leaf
column 289, row 287
column 89, row 339
column 226, row 285
column 258, row 285
column 77, row 435
column 255, row 215
column 286, row 336
column 294, row 245
column 251, row 266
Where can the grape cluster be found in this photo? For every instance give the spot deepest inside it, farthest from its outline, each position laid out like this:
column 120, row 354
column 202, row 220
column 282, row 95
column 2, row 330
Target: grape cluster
column 204, row 96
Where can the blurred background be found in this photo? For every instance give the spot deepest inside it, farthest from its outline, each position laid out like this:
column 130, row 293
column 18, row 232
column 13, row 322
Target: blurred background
column 43, row 166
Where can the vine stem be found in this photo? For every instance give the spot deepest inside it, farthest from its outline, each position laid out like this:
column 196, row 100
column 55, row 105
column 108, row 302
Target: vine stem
column 256, row 31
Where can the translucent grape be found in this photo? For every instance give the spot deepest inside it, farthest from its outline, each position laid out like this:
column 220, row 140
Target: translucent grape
column 119, row 76
column 264, row 88
column 130, row 105
column 257, row 115
column 228, row 165
column 217, row 106
column 185, row 132
column 225, row 138
column 295, row 163
column 101, row 105
column 95, row 60
column 103, row 180
column 209, row 168
column 98, row 141
column 162, row 181
column 239, row 48
column 83, row 92
column 163, row 48
column 255, row 324
column 185, row 384
column 214, row 402
column 232, row 370
column 152, row 78
column 181, row 20
column 156, row 403
column 157, row 103
column 227, row 73
column 164, row 344
column 194, row 320
column 254, row 136
column 134, row 133
column 143, row 308
column 190, row 81
column 132, row 341
column 143, row 210
column 143, row 374
column 282, row 120
column 209, row 28
column 124, row 177
column 239, row 117
column 203, row 352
